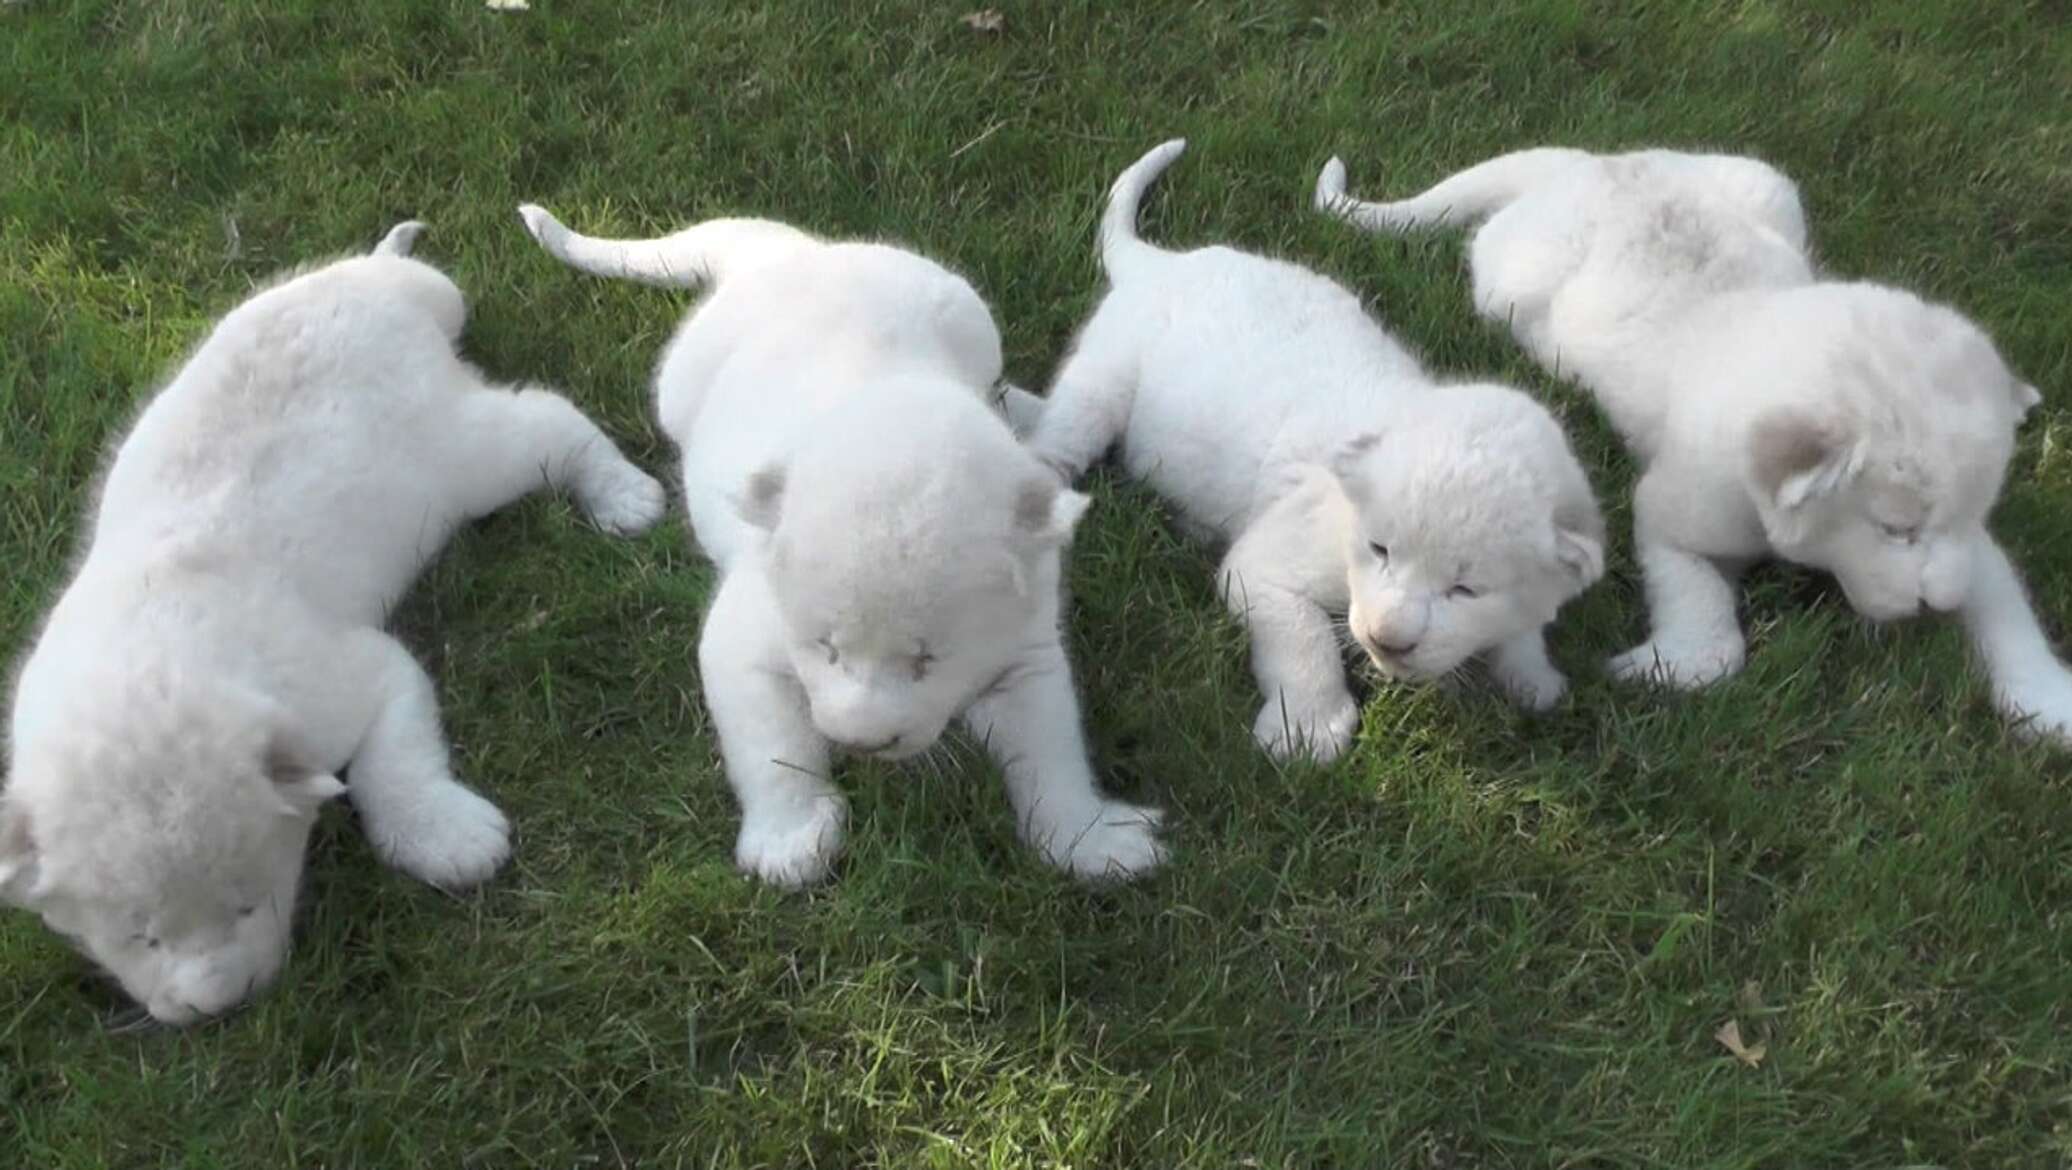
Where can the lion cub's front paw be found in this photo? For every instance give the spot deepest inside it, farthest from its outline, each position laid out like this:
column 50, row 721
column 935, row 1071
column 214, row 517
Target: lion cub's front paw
column 2041, row 702
column 1118, row 840
column 1533, row 690
column 796, row 846
column 625, row 500
column 1022, row 410
column 1322, row 733
column 447, row 836
column 1683, row 666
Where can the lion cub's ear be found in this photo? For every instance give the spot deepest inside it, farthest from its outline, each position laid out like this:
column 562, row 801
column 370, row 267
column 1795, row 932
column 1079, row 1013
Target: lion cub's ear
column 1579, row 540
column 2026, row 398
column 762, row 501
column 1581, row 554
column 1045, row 512
column 18, row 868
column 1796, row 460
column 1345, row 463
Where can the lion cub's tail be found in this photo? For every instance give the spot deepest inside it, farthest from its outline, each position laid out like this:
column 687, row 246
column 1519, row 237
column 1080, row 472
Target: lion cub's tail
column 1482, row 189
column 696, row 255
column 400, row 238
column 1121, row 249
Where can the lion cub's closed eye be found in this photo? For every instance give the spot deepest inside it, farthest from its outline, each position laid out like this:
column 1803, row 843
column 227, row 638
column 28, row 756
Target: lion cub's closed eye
column 918, row 662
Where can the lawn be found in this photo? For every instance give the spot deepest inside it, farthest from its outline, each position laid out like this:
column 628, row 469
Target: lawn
column 1481, row 940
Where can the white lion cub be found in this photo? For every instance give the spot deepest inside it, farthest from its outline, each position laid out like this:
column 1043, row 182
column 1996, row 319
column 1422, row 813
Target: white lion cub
column 1260, row 398
column 890, row 555
column 219, row 657
column 1847, row 426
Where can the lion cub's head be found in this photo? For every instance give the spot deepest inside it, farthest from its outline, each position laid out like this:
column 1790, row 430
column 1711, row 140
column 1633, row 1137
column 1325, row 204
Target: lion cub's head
column 163, row 834
column 913, row 550
column 1471, row 523
column 1882, row 434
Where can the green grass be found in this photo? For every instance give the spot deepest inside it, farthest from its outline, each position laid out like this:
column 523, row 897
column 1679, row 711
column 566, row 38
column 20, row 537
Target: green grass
column 1481, row 941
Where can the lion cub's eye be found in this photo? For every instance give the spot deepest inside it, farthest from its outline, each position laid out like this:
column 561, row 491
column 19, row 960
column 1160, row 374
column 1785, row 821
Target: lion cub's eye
column 1903, row 533
column 833, row 655
column 922, row 662
column 1378, row 549
column 1464, row 592
column 247, row 911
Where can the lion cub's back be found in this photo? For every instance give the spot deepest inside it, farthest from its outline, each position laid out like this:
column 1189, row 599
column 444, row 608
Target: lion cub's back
column 906, row 309
column 776, row 341
column 1237, row 350
column 319, row 378
column 777, row 348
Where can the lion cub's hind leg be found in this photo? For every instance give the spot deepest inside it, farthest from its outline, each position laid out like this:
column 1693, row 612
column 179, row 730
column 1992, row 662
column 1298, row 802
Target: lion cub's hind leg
column 1022, row 410
column 1090, row 400
column 506, row 444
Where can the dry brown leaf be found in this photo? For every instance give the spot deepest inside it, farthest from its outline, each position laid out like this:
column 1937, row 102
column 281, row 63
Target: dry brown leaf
column 1729, row 1036
column 985, row 20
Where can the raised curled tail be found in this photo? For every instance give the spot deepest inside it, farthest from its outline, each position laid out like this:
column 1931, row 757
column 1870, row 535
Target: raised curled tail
column 1482, row 189
column 400, row 238
column 693, row 256
column 1121, row 249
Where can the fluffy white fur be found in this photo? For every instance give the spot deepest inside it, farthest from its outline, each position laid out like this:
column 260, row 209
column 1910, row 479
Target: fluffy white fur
column 219, row 657
column 1847, row 426
column 1263, row 401
column 890, row 555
